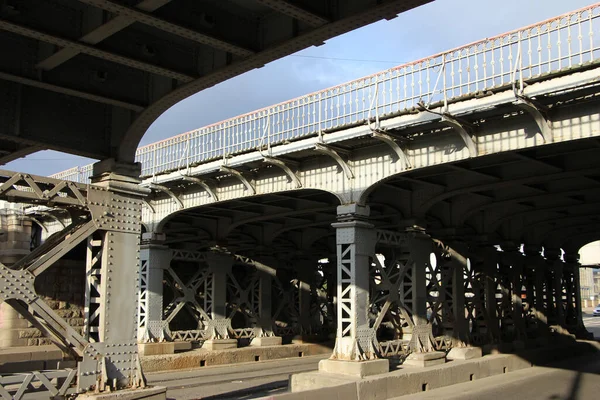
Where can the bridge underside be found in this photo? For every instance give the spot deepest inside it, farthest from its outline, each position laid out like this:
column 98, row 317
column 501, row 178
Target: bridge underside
column 89, row 77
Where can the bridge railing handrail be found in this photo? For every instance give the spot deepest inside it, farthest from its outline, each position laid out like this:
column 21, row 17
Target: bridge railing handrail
column 511, row 58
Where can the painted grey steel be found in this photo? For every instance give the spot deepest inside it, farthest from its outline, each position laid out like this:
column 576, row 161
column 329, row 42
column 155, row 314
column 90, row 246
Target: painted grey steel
column 106, row 216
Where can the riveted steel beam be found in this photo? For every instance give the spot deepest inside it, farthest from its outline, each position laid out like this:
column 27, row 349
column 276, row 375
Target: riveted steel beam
column 334, row 153
column 70, row 92
column 295, row 12
column 284, row 166
column 97, row 35
column 92, row 51
column 158, row 23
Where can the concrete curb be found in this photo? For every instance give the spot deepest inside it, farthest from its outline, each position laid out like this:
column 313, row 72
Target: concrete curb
column 204, row 358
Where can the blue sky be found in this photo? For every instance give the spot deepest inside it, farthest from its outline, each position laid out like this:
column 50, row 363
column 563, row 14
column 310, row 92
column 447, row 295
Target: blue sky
column 432, row 28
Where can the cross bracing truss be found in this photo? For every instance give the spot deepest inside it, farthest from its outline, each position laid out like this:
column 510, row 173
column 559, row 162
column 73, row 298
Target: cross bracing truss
column 109, row 220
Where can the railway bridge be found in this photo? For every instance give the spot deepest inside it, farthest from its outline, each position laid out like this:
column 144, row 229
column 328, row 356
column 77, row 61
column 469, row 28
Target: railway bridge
column 440, row 204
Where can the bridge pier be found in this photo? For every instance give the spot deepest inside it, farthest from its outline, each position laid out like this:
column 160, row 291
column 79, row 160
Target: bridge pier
column 154, row 259
column 218, row 327
column 355, row 240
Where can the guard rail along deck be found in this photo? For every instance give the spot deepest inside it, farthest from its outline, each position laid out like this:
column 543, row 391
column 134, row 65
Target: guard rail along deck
column 557, row 45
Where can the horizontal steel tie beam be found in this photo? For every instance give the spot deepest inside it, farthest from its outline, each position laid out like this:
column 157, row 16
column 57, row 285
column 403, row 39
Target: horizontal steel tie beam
column 97, row 35
column 92, row 51
column 291, row 10
column 158, row 23
column 70, row 92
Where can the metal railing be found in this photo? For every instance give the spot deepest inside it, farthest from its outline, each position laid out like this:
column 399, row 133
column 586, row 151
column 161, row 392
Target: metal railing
column 568, row 41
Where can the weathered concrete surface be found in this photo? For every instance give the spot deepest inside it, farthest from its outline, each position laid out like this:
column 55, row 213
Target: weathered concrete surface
column 266, row 341
column 203, row 357
column 411, row 380
column 428, row 359
column 150, row 393
column 575, row 378
column 355, row 368
column 220, row 344
column 464, row 353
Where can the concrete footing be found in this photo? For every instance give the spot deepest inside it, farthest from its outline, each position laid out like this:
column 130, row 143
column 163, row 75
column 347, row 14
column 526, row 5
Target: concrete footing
column 151, row 393
column 266, row 341
column 204, row 358
column 464, row 353
column 428, row 359
column 220, row 344
column 358, row 369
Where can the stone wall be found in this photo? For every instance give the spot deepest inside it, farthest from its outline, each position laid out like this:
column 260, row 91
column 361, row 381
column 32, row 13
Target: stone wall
column 62, row 286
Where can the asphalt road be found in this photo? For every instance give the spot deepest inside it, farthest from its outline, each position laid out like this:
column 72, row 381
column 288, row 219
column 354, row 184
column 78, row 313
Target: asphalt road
column 593, row 325
column 240, row 381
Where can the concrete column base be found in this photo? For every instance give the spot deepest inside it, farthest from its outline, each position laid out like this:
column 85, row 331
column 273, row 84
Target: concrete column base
column 425, row 359
column 266, row 341
column 220, row 344
column 464, row 353
column 358, row 369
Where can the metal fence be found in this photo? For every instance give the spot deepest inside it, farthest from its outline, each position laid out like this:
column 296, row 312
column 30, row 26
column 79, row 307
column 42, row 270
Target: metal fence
column 568, row 41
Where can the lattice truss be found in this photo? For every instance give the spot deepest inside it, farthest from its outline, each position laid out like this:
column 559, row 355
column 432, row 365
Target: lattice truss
column 189, row 300
column 111, row 219
column 322, row 313
column 191, row 287
column 393, row 297
column 478, row 320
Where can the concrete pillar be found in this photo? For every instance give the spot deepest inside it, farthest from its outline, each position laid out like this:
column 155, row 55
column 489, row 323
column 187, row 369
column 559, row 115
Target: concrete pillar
column 15, row 236
column 154, row 259
column 355, row 239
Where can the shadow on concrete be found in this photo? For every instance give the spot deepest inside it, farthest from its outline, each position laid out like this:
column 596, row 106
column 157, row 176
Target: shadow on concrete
column 249, row 393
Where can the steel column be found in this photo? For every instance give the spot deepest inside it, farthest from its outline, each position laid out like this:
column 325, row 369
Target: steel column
column 154, row 259
column 219, row 266
column 355, row 245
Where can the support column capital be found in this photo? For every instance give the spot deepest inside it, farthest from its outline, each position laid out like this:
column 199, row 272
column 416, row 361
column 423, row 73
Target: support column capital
column 353, row 212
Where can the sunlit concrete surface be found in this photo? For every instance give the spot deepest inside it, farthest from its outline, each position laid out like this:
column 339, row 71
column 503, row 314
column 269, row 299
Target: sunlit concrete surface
column 568, row 380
